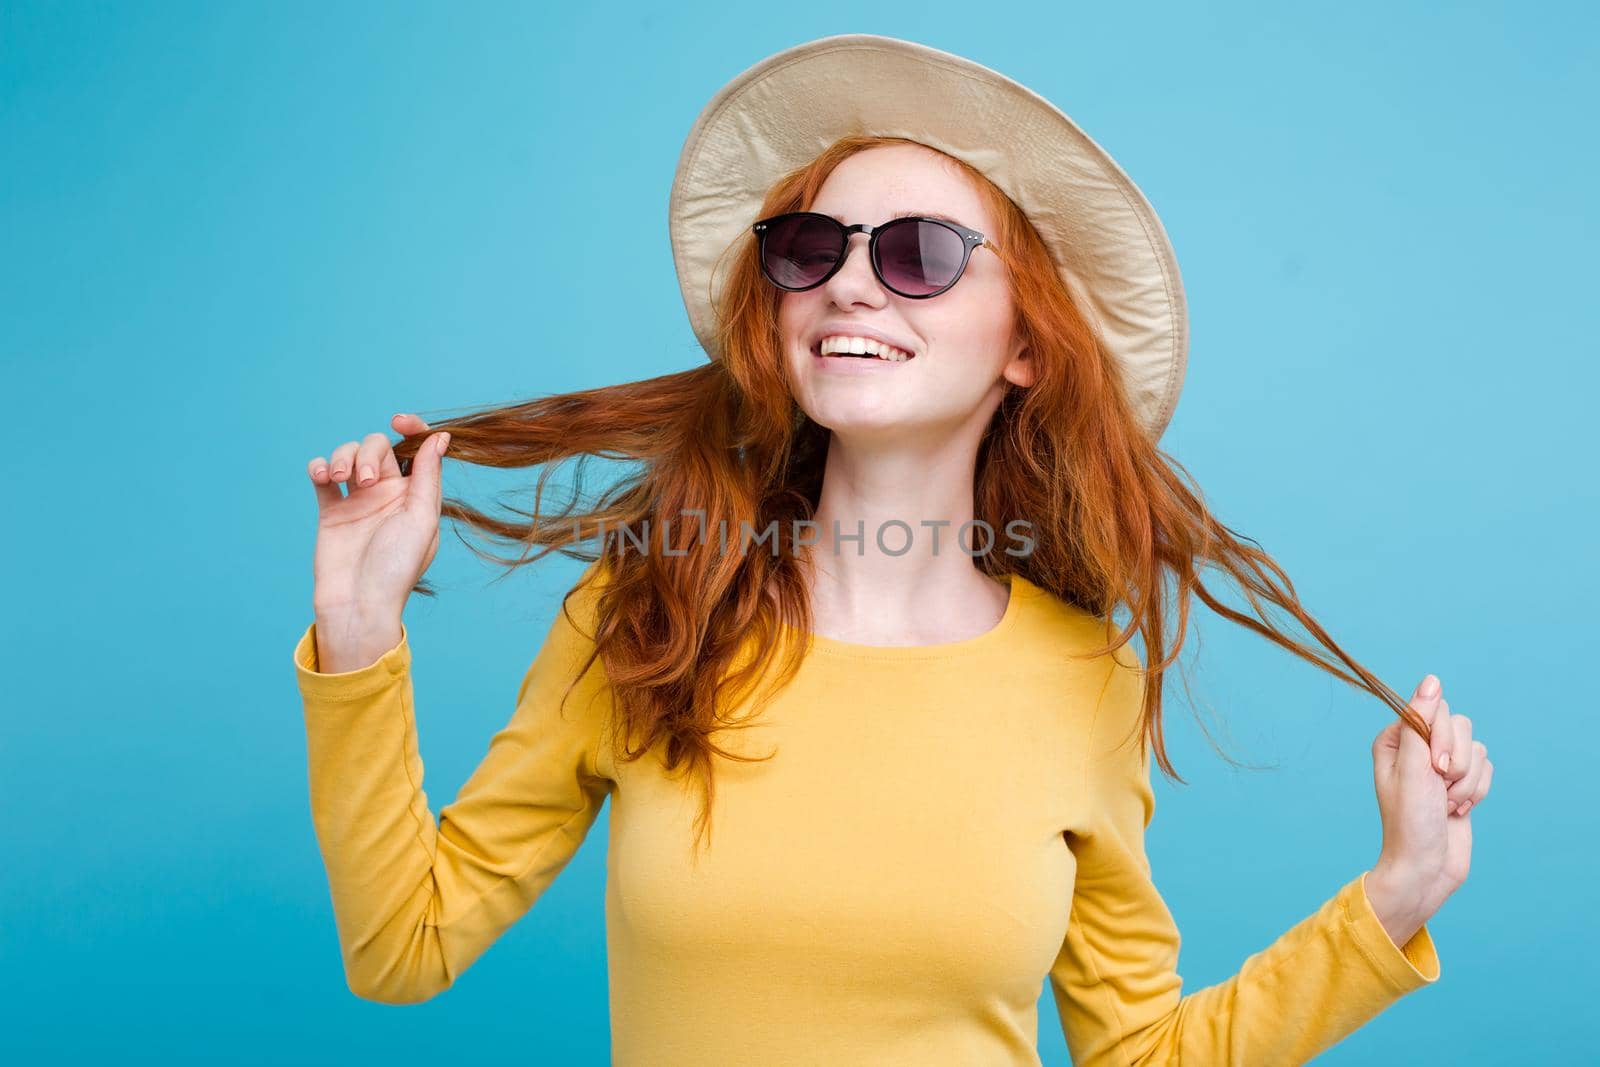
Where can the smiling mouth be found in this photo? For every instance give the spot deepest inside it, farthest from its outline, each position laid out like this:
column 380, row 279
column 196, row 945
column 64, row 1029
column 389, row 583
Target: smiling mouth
column 871, row 357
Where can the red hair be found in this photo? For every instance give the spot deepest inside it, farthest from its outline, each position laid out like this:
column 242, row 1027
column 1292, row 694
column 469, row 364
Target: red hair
column 1113, row 517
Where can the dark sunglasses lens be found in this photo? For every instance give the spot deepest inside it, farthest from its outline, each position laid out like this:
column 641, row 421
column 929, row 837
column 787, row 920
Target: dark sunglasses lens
column 797, row 252
column 918, row 258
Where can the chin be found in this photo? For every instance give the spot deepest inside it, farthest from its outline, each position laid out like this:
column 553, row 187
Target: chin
column 864, row 417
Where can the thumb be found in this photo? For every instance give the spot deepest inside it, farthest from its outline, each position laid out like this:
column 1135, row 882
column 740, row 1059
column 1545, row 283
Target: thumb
column 425, row 490
column 1386, row 746
column 1414, row 753
column 1385, row 754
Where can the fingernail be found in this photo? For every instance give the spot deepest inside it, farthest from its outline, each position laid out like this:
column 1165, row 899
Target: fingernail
column 1463, row 809
column 366, row 475
column 444, row 441
column 320, row 471
column 1429, row 688
column 1444, row 763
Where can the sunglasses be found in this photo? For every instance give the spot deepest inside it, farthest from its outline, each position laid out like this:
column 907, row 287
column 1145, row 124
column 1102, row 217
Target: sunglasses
column 913, row 256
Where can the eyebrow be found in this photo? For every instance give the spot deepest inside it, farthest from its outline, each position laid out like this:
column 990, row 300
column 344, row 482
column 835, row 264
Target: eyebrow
column 924, row 214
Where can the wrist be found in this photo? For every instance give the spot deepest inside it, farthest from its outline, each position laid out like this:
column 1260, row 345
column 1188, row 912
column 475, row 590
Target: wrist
column 349, row 641
column 1398, row 901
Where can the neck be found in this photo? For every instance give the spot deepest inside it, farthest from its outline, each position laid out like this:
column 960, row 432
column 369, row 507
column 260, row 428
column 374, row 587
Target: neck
column 914, row 557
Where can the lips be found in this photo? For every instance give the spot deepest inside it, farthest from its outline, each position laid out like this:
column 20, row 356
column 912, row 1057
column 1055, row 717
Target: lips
column 816, row 350
column 850, row 361
column 830, row 334
column 871, row 349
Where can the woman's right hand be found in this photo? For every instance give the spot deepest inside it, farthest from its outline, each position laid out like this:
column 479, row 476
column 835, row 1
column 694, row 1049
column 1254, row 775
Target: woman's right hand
column 375, row 541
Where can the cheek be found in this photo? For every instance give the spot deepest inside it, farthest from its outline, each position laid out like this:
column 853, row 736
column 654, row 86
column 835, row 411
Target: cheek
column 792, row 317
column 978, row 329
column 793, row 320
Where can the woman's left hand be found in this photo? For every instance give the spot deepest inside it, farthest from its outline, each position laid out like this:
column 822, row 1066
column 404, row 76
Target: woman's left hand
column 1426, row 793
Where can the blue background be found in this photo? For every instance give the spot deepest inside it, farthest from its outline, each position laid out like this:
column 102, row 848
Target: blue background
column 237, row 235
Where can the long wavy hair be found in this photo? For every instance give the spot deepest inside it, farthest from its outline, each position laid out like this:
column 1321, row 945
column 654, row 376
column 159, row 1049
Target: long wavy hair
column 1119, row 528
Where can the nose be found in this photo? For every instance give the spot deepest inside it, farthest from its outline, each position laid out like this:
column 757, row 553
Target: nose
column 854, row 282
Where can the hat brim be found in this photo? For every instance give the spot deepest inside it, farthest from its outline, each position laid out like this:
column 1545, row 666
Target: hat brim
column 1107, row 242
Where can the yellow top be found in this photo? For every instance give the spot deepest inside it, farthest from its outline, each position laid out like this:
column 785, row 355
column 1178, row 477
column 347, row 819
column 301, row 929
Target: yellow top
column 944, row 828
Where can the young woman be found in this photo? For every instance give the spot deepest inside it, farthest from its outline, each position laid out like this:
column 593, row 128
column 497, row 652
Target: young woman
column 923, row 748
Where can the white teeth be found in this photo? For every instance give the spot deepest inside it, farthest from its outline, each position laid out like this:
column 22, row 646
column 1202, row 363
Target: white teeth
column 861, row 346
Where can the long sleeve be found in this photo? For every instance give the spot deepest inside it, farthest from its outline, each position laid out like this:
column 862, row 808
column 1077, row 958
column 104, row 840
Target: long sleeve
column 1115, row 980
column 417, row 901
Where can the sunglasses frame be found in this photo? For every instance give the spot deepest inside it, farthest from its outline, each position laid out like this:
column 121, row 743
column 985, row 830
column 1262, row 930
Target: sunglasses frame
column 970, row 239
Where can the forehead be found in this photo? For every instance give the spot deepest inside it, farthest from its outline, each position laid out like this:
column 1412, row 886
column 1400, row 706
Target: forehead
column 880, row 183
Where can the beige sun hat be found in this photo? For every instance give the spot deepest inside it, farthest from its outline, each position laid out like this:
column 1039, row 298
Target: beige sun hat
column 780, row 113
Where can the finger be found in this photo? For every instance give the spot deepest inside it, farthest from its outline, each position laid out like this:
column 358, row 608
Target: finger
column 1441, row 737
column 369, row 457
column 1460, row 748
column 409, row 426
column 1463, row 788
column 438, row 477
column 1425, row 702
column 1442, row 742
column 343, row 461
column 327, row 492
column 425, row 491
column 388, row 465
column 1483, row 786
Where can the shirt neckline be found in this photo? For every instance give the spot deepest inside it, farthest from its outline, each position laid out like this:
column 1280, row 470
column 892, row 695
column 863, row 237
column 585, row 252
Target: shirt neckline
column 1018, row 588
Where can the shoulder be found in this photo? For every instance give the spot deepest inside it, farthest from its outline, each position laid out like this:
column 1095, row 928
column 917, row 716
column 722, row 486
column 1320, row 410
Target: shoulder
column 1063, row 626
column 567, row 653
column 581, row 602
column 1100, row 687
